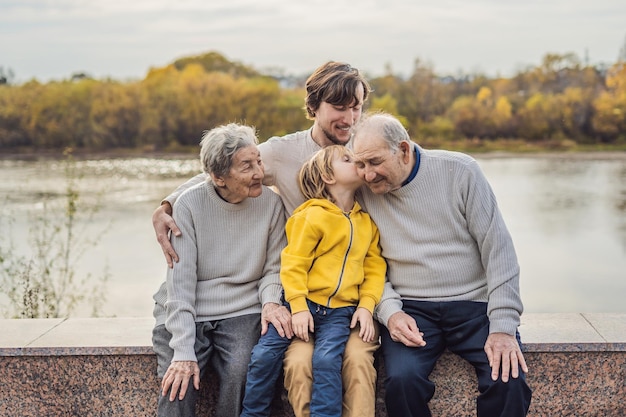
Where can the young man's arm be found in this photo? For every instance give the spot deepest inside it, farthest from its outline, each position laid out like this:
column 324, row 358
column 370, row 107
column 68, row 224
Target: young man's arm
column 163, row 222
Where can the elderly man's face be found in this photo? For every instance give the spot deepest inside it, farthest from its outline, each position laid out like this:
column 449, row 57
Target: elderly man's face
column 382, row 169
column 244, row 178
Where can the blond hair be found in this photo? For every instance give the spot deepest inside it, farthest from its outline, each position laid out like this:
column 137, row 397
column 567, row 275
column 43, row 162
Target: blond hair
column 319, row 168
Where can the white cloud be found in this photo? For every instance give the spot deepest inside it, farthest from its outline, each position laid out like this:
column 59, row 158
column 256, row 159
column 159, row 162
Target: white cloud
column 122, row 38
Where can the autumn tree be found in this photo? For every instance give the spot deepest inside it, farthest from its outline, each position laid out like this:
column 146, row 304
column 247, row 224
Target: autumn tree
column 558, row 99
column 115, row 116
column 609, row 118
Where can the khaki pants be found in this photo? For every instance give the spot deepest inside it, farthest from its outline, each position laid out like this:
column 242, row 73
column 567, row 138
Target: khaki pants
column 358, row 374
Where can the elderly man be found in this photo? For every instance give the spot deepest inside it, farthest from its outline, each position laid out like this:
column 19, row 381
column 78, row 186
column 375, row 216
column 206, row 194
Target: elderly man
column 453, row 275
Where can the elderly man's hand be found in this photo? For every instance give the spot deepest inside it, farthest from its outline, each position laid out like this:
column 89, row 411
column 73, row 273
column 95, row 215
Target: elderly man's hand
column 177, row 378
column 504, row 353
column 279, row 316
column 403, row 329
column 163, row 222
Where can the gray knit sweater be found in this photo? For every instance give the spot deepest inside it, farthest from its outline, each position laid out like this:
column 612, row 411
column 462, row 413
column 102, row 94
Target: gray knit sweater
column 444, row 239
column 229, row 262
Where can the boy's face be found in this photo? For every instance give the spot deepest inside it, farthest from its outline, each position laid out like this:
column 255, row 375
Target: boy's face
column 345, row 173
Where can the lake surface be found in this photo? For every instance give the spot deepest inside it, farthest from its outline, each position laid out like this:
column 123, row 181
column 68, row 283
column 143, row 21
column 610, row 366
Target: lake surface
column 566, row 213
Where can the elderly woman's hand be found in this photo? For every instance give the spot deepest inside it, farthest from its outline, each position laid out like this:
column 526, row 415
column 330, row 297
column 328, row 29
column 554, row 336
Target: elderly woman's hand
column 177, row 378
column 279, row 316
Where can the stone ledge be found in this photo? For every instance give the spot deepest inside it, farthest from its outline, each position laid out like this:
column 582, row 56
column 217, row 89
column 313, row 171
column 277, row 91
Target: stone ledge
column 106, row 367
column 541, row 332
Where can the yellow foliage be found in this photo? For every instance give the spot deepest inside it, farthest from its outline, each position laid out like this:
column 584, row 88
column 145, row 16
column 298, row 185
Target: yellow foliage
column 503, row 109
column 484, row 96
column 174, row 104
column 385, row 103
column 616, row 78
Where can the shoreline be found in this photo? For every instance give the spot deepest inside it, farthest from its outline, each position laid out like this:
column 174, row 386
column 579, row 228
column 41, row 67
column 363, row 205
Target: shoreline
column 582, row 155
column 618, row 155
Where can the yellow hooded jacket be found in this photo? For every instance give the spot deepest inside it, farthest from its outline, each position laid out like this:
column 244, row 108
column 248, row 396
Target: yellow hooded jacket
column 332, row 258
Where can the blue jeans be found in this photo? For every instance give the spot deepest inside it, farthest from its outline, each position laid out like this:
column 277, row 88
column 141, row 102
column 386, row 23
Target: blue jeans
column 225, row 345
column 332, row 328
column 462, row 327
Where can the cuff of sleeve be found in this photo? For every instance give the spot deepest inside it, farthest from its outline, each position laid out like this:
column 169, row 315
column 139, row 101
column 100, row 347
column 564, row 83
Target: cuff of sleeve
column 504, row 322
column 298, row 304
column 272, row 294
column 386, row 309
column 368, row 303
column 186, row 354
column 169, row 200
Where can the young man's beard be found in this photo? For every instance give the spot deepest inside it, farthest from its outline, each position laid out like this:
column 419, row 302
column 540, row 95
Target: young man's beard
column 334, row 139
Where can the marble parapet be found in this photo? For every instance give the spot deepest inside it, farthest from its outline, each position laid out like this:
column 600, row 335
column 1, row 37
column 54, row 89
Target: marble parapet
column 106, row 367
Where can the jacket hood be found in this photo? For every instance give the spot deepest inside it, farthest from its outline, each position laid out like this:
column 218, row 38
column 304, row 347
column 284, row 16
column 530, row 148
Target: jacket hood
column 327, row 205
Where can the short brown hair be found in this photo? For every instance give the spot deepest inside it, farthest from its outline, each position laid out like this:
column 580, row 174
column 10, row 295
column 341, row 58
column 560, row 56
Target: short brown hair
column 335, row 83
column 320, row 166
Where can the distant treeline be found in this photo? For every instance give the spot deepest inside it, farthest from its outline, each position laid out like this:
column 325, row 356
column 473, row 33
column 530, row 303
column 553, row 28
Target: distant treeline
column 559, row 100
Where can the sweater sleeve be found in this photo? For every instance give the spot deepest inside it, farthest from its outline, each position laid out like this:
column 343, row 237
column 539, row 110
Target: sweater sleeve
column 183, row 187
column 486, row 225
column 374, row 268
column 270, row 288
column 181, row 288
column 296, row 260
column 390, row 303
column 269, row 162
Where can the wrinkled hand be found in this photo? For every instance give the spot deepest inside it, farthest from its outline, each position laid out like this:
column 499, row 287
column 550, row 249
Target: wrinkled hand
column 302, row 324
column 279, row 316
column 177, row 378
column 363, row 317
column 163, row 222
column 504, row 353
column 403, row 329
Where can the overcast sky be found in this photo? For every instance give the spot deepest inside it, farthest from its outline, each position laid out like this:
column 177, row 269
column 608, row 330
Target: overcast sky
column 123, row 39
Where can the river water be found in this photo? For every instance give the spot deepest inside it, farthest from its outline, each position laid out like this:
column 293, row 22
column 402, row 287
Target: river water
column 566, row 213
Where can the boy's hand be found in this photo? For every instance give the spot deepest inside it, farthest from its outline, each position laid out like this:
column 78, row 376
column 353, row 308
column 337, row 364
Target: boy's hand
column 302, row 324
column 363, row 317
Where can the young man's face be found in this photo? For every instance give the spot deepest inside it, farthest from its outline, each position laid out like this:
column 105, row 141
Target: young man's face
column 333, row 124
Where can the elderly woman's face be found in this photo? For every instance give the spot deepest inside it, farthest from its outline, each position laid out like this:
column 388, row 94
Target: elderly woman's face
column 244, row 178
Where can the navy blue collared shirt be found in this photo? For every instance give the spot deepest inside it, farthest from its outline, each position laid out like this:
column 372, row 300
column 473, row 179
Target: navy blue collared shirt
column 415, row 168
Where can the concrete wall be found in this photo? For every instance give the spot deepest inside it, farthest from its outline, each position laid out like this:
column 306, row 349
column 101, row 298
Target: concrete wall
column 105, row 367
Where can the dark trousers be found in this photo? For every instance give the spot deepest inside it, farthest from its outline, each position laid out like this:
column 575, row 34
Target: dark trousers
column 462, row 327
column 223, row 344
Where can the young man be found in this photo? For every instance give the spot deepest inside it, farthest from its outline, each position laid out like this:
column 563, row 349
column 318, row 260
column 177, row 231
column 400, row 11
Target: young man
column 452, row 271
column 336, row 93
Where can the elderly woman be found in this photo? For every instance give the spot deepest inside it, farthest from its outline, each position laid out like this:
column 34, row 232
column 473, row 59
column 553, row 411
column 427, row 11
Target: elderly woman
column 226, row 288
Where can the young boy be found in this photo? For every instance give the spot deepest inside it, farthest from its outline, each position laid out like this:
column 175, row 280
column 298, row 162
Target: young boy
column 333, row 275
